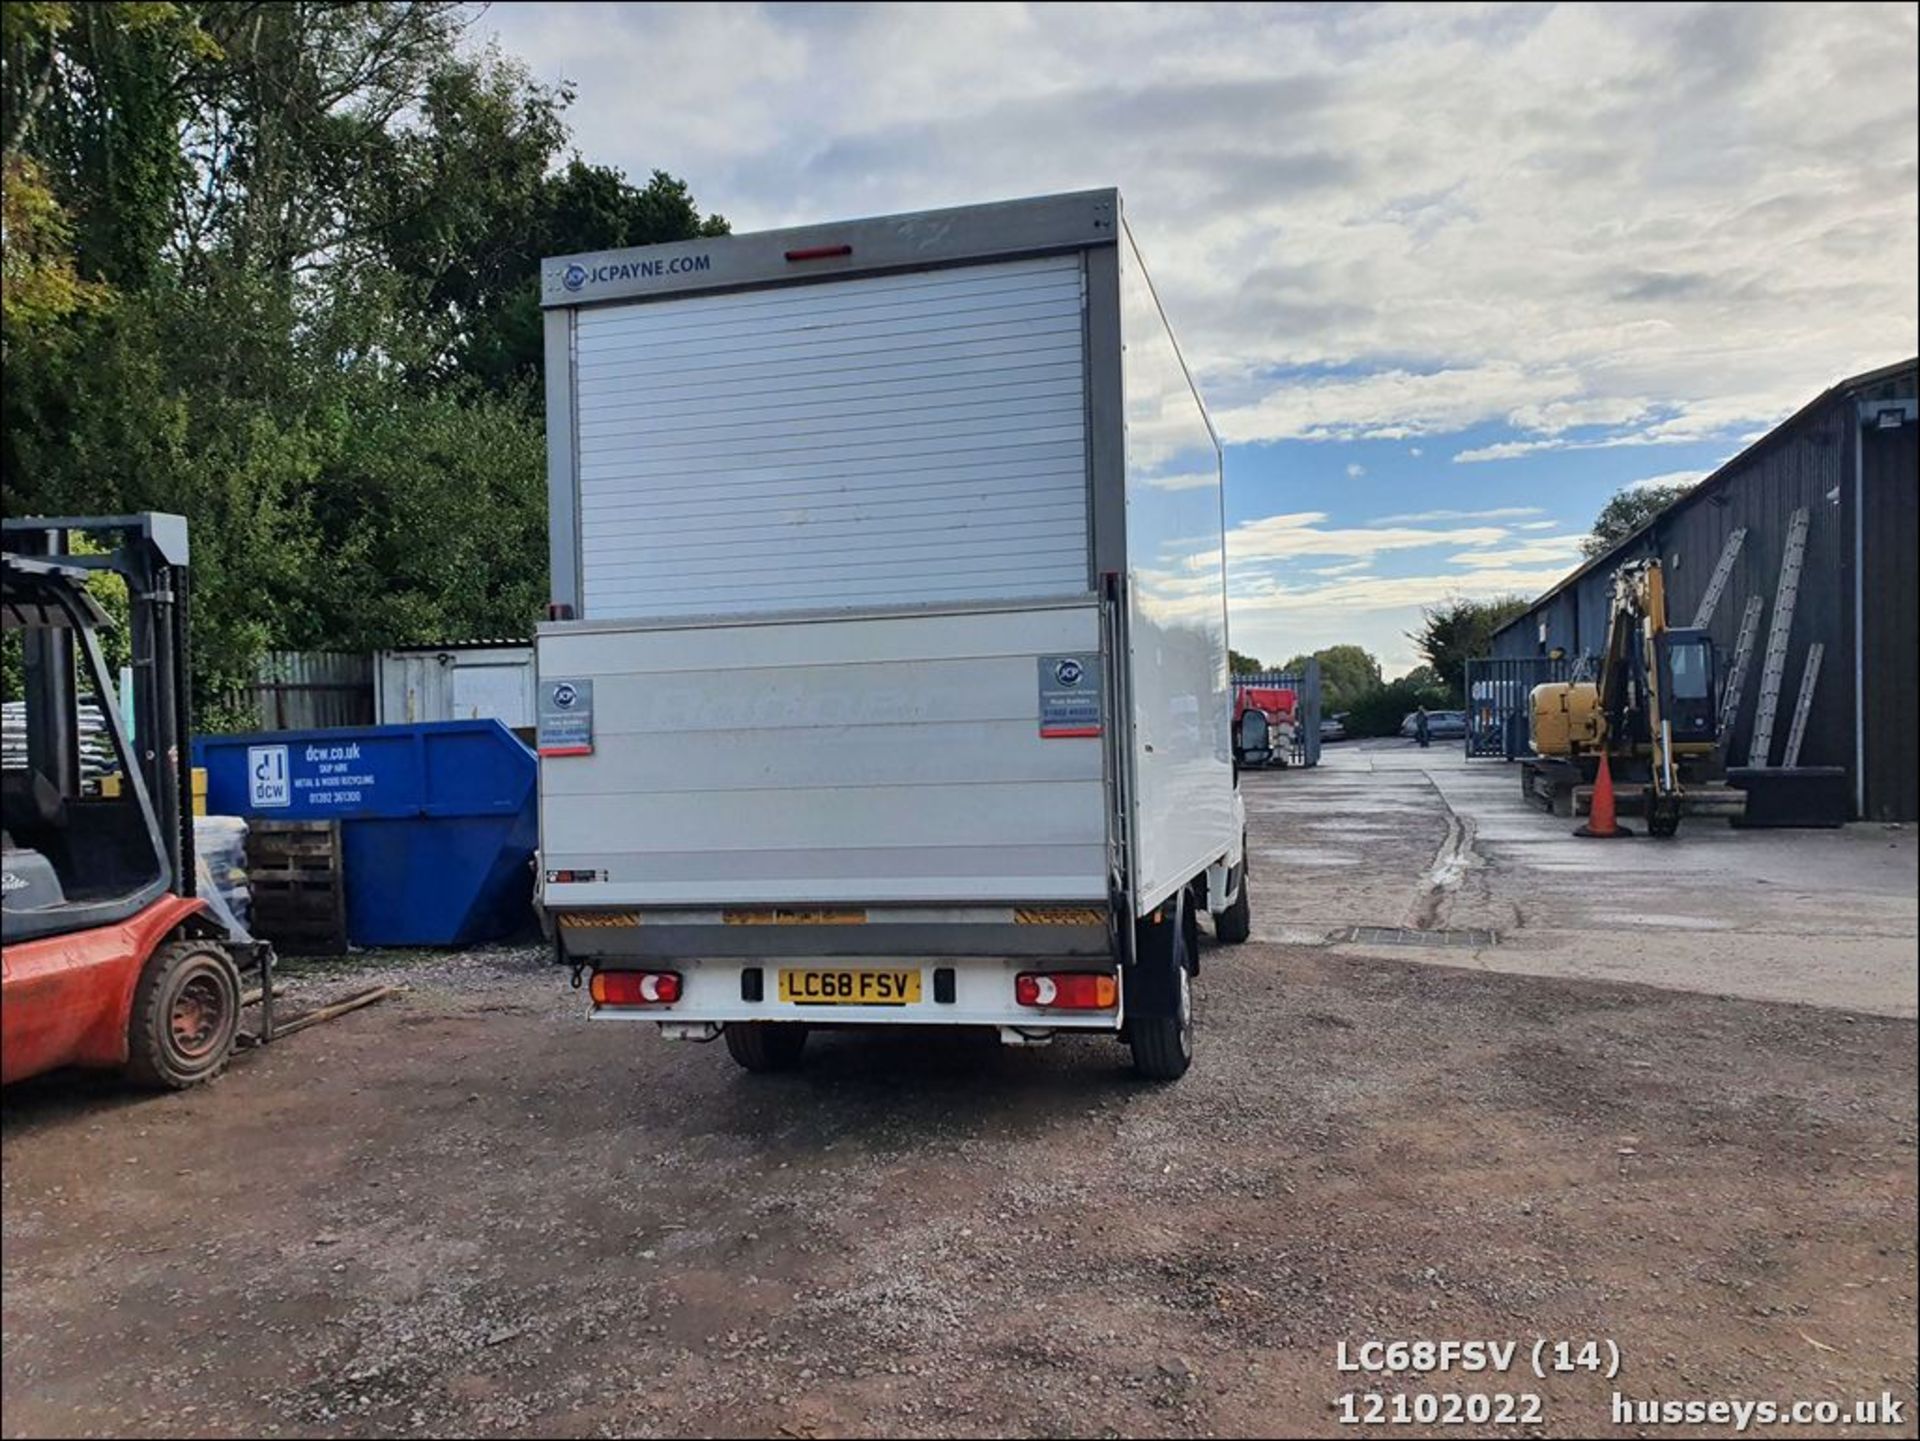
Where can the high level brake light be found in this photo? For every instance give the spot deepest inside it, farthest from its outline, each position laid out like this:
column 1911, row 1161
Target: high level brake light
column 635, row 988
column 819, row 252
column 1066, row 990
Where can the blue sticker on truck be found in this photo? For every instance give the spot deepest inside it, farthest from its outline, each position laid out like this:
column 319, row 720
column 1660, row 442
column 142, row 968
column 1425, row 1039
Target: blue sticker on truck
column 1069, row 696
column 566, row 718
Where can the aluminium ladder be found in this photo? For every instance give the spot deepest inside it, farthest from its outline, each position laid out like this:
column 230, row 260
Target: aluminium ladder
column 1722, row 571
column 1773, row 670
column 1737, row 676
column 1803, row 705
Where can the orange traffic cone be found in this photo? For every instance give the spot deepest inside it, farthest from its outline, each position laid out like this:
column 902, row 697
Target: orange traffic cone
column 1601, row 824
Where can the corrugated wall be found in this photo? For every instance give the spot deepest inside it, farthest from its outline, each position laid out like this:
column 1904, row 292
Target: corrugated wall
column 1891, row 479
column 1810, row 466
column 1808, row 470
column 313, row 689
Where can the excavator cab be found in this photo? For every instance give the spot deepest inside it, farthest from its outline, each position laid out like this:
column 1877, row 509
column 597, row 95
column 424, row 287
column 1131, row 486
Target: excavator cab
column 1689, row 703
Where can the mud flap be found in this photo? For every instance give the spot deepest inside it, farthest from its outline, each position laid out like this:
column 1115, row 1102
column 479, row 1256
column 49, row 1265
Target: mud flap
column 1152, row 989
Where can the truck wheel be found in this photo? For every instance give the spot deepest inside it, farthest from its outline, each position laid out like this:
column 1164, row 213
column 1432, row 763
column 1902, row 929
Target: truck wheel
column 1163, row 1045
column 186, row 1012
column 1235, row 923
column 766, row 1045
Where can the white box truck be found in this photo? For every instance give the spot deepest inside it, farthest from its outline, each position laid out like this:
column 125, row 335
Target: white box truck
column 886, row 679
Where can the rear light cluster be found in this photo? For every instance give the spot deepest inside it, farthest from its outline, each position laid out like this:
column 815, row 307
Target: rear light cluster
column 1066, row 990
column 635, row 988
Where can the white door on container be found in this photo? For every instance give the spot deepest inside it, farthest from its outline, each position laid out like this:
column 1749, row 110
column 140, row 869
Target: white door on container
column 871, row 441
column 498, row 691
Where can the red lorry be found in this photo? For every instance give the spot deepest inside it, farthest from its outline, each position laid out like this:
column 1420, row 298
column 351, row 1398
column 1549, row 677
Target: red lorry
column 1271, row 738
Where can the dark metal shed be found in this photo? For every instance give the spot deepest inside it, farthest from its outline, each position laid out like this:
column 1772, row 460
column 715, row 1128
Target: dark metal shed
column 1848, row 461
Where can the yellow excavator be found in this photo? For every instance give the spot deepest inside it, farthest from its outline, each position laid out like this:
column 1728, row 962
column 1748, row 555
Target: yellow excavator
column 1652, row 709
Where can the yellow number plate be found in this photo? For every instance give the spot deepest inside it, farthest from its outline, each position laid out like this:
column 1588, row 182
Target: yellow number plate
column 850, row 988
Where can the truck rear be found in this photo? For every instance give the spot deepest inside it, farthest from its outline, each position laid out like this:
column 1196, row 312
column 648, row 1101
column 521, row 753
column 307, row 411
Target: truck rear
column 887, row 676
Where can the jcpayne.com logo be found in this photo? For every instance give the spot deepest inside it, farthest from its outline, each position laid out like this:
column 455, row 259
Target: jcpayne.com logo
column 574, row 277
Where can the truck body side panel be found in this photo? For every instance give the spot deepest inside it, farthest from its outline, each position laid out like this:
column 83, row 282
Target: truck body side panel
column 1181, row 702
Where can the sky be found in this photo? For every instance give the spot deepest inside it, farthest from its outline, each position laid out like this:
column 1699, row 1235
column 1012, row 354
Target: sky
column 1447, row 277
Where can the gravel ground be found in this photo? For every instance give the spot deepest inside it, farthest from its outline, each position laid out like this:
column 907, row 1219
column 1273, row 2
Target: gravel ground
column 467, row 1211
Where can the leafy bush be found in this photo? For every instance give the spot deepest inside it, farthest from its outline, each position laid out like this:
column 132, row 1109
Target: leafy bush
column 1380, row 712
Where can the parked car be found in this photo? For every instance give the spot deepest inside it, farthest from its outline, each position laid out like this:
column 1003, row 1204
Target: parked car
column 1333, row 727
column 1442, row 725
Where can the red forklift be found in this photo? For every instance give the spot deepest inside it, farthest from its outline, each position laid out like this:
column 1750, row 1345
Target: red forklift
column 112, row 958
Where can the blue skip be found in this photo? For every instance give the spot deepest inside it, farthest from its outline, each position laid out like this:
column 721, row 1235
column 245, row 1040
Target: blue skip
column 438, row 821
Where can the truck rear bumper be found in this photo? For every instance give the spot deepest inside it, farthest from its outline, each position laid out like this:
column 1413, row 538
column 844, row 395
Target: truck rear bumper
column 717, row 990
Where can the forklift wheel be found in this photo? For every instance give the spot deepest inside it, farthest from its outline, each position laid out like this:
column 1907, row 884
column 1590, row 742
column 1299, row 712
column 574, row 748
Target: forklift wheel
column 186, row 1012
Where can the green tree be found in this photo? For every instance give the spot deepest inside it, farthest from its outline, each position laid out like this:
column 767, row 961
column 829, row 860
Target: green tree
column 1347, row 672
column 1459, row 630
column 1380, row 712
column 318, row 226
column 1629, row 509
column 1239, row 664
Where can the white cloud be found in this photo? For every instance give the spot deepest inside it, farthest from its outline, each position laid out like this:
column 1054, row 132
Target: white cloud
column 1284, row 537
column 1369, row 611
column 1189, row 480
column 1505, row 512
column 1507, row 450
column 1383, row 592
column 1663, row 223
column 1385, row 405
column 1416, row 452
column 1372, row 611
column 1355, row 470
column 1658, row 219
column 1537, row 525
column 1546, row 550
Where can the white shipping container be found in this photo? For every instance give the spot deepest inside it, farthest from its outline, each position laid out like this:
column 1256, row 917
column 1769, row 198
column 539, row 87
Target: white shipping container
column 455, row 682
column 890, row 683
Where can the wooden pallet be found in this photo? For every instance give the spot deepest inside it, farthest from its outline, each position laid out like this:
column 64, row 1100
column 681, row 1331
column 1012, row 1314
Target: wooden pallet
column 299, row 885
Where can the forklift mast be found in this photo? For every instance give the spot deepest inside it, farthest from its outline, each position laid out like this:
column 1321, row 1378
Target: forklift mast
column 149, row 551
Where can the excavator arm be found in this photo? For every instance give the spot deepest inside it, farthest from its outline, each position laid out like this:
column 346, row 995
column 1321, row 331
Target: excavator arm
column 1656, row 688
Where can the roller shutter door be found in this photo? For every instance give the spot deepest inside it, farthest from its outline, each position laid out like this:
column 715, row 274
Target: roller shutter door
column 872, row 441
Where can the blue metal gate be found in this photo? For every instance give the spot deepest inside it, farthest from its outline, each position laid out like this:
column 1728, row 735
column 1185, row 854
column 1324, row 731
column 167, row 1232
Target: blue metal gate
column 1497, row 709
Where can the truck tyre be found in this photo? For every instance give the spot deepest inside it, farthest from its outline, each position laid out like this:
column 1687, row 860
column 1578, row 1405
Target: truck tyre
column 1163, row 1045
column 186, row 1012
column 1233, row 925
column 766, row 1045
